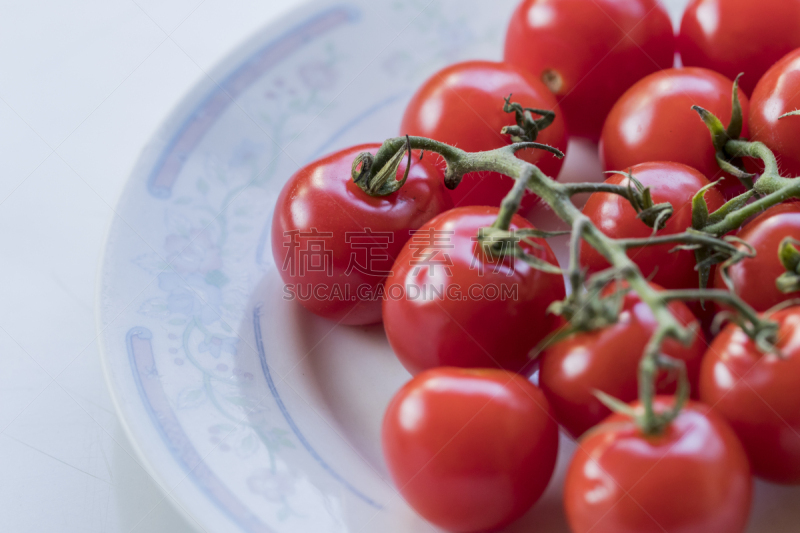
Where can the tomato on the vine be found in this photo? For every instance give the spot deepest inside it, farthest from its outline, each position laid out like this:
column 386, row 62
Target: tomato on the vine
column 759, row 395
column 334, row 244
column 693, row 477
column 613, row 215
column 470, row 449
column 754, row 278
column 739, row 36
column 462, row 105
column 608, row 360
column 654, row 121
column 589, row 53
column 775, row 95
column 448, row 303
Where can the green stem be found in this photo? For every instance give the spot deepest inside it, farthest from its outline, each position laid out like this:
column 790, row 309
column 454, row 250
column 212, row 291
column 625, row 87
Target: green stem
column 578, row 188
column 738, row 148
column 678, row 238
column 575, row 271
column 511, row 202
column 557, row 196
column 734, row 220
column 762, row 331
column 648, row 369
column 717, row 295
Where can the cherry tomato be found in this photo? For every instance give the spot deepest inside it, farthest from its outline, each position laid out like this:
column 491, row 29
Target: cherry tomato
column 449, row 304
column 462, row 105
column 589, row 53
column 334, row 244
column 654, row 121
column 777, row 93
column 693, row 477
column 739, row 36
column 469, row 449
column 754, row 279
column 614, row 216
column 759, row 395
column 608, row 360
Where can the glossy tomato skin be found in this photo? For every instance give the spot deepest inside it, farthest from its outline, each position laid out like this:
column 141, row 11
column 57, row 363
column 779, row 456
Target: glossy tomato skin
column 447, row 304
column 470, row 449
column 759, row 395
column 654, row 121
column 318, row 233
column 775, row 95
column 462, row 105
column 614, row 216
column 692, row 478
column 608, row 360
column 754, row 278
column 739, row 36
column 590, row 52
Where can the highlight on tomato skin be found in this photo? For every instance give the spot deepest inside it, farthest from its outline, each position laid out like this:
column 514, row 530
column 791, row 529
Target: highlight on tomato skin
column 462, row 105
column 775, row 95
column 334, row 244
column 759, row 395
column 694, row 477
column 654, row 121
column 470, row 450
column 738, row 36
column 449, row 304
column 607, row 360
column 589, row 53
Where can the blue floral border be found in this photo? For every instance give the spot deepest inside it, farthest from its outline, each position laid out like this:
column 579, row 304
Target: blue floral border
column 145, row 373
column 159, row 185
column 166, row 170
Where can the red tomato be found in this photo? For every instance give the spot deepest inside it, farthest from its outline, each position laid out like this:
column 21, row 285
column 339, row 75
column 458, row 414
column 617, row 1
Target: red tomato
column 462, row 105
column 735, row 36
column 614, row 216
column 692, row 478
column 589, row 53
column 608, row 360
column 470, row 450
column 759, row 395
column 334, row 244
column 448, row 304
column 777, row 93
column 654, row 121
column 754, row 279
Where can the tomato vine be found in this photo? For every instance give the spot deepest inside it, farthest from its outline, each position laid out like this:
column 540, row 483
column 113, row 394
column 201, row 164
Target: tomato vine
column 587, row 308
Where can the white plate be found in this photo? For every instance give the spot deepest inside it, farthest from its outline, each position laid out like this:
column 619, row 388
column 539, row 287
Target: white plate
column 254, row 414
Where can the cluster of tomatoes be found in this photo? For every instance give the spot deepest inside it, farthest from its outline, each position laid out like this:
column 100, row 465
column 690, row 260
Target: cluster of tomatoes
column 470, row 441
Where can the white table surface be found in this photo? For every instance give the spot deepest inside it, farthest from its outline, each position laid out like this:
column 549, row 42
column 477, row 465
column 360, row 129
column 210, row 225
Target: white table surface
column 83, row 85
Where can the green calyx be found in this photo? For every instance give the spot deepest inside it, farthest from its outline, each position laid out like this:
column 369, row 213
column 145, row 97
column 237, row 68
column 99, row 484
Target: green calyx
column 498, row 244
column 380, row 179
column 641, row 199
column 789, row 255
column 587, row 310
column 720, row 135
column 708, row 256
column 527, row 128
column 700, row 212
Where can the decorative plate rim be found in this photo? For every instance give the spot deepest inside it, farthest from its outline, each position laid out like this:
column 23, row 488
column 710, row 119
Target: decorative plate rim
column 142, row 435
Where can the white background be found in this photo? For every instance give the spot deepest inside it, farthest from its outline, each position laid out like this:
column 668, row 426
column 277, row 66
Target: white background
column 83, row 85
